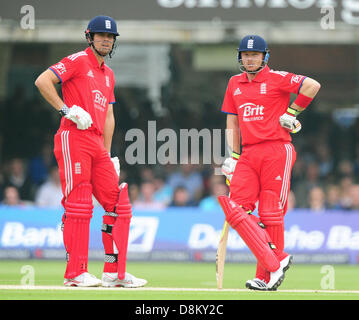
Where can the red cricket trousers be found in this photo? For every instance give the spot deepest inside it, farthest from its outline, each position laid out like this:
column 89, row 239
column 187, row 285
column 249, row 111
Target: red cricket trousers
column 82, row 158
column 263, row 167
column 85, row 169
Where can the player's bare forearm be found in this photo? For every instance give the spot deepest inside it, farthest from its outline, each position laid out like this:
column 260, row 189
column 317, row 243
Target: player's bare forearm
column 232, row 133
column 46, row 85
column 310, row 88
column 109, row 128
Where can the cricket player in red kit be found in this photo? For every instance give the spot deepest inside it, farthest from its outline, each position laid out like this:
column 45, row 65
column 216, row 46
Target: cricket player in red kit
column 82, row 148
column 260, row 119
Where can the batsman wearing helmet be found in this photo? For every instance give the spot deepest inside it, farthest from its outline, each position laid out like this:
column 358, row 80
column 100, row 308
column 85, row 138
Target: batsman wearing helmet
column 260, row 119
column 82, row 148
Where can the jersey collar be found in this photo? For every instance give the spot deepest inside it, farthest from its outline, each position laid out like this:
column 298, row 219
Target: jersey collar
column 260, row 77
column 93, row 59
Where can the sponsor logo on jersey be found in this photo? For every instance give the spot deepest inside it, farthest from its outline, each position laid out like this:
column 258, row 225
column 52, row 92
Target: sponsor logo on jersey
column 100, row 101
column 59, row 68
column 252, row 111
column 296, row 79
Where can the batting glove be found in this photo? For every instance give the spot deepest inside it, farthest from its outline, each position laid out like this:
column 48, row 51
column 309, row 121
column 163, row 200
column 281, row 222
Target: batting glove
column 79, row 116
column 116, row 164
column 229, row 166
column 289, row 121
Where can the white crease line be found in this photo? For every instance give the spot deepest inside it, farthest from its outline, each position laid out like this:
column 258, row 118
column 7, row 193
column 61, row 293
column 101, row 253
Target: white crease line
column 19, row 287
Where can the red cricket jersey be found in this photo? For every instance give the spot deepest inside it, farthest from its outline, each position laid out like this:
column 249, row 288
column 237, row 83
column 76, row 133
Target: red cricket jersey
column 86, row 84
column 260, row 103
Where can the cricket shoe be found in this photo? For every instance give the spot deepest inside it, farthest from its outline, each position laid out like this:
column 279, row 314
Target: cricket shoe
column 83, row 280
column 277, row 277
column 110, row 279
column 257, row 284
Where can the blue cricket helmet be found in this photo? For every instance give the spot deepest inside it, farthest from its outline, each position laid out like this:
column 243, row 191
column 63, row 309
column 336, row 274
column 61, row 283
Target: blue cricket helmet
column 102, row 24
column 253, row 43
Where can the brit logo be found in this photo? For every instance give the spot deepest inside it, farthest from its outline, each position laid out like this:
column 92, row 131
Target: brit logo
column 252, row 112
column 100, row 101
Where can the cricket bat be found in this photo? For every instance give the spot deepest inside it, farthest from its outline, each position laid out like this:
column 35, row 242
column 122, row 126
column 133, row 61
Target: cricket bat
column 221, row 252
column 221, row 255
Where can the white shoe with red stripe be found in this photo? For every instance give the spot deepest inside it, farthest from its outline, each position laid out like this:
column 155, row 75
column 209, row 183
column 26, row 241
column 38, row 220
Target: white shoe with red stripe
column 110, row 279
column 83, row 280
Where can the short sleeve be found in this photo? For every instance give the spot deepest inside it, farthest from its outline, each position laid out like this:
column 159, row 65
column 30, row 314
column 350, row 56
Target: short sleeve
column 228, row 105
column 292, row 82
column 65, row 69
column 112, row 96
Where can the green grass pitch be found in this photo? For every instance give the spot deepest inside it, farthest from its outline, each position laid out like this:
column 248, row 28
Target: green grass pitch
column 180, row 281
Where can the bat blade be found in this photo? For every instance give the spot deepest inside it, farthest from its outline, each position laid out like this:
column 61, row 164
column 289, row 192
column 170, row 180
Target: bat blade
column 221, row 255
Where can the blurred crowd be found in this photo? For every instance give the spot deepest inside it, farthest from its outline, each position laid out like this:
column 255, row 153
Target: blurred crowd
column 317, row 185
column 36, row 181
column 31, row 181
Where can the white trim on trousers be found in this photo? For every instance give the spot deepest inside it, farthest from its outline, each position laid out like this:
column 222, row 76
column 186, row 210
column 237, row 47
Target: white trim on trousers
column 67, row 161
column 287, row 171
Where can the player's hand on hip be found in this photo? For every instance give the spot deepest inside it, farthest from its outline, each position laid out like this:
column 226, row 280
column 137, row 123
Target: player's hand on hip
column 290, row 123
column 81, row 117
column 228, row 167
column 287, row 121
column 116, row 164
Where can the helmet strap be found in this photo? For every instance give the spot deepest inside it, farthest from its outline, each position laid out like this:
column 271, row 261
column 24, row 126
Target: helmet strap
column 264, row 63
column 89, row 37
column 243, row 69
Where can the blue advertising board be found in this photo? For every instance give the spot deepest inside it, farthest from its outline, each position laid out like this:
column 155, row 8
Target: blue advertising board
column 187, row 234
